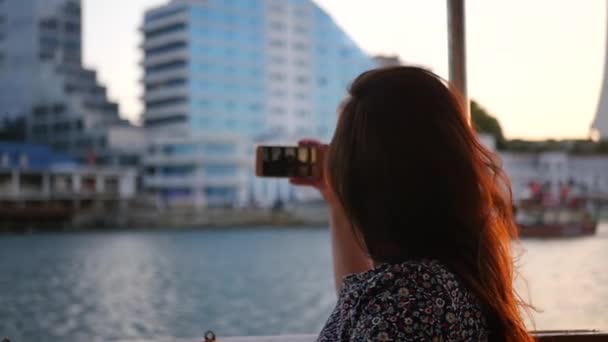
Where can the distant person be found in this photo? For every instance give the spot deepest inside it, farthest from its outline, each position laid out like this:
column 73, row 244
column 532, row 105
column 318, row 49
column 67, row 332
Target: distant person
column 536, row 192
column 564, row 193
column 421, row 218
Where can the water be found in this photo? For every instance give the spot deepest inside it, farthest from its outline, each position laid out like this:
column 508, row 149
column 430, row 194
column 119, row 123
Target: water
column 129, row 285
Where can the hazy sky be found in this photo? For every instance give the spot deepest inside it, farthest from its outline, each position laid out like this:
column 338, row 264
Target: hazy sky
column 535, row 64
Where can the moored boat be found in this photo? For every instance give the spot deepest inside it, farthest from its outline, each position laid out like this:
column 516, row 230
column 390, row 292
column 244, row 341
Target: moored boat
column 548, row 222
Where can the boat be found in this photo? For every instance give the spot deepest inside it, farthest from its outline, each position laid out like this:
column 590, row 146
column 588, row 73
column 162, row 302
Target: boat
column 549, row 222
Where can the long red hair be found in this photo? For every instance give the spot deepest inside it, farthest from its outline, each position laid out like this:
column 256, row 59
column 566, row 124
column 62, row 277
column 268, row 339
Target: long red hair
column 416, row 182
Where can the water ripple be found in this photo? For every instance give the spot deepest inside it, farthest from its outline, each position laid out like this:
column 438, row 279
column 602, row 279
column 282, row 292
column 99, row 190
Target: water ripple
column 133, row 285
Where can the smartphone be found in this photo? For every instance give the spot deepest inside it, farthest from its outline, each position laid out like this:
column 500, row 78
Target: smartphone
column 286, row 161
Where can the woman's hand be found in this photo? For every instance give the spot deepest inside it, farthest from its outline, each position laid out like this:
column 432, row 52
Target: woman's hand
column 319, row 180
column 348, row 256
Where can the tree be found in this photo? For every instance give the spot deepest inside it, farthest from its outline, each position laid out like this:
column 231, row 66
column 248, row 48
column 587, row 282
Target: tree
column 483, row 122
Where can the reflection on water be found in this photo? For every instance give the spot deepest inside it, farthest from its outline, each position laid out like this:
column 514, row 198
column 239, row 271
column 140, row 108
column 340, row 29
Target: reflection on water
column 567, row 281
column 128, row 285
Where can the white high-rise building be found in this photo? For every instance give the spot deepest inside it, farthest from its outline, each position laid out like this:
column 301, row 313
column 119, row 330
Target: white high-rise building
column 600, row 124
column 222, row 75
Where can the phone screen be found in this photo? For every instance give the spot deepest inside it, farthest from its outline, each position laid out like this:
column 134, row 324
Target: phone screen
column 285, row 161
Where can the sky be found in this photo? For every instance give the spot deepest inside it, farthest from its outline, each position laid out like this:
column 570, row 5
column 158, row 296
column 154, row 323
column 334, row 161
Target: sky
column 535, row 65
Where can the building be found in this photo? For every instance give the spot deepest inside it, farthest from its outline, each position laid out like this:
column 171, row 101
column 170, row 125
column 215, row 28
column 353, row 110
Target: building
column 34, row 180
column 599, row 127
column 388, row 61
column 43, row 81
column 221, row 75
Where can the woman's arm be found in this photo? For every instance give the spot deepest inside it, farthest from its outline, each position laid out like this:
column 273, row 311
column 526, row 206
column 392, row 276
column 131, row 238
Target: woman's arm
column 348, row 254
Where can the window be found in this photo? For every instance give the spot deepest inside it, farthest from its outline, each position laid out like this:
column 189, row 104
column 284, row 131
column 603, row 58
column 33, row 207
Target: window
column 301, row 29
column 230, row 105
column 302, row 96
column 40, row 112
column 73, row 8
column 300, row 46
column 168, row 120
column 40, row 129
column 302, row 113
column 302, row 63
column 218, row 149
column 61, row 127
column 278, row 111
column 277, row 26
column 278, row 8
column 302, row 79
column 278, row 92
column 220, row 171
column 277, row 76
column 71, row 27
column 255, row 107
column 277, row 59
column 301, row 13
column 58, row 109
column 277, row 43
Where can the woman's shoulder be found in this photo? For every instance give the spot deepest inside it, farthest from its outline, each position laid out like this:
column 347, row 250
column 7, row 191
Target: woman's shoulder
column 421, row 299
column 412, row 270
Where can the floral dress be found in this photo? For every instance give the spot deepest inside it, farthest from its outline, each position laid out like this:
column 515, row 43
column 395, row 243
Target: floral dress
column 411, row 301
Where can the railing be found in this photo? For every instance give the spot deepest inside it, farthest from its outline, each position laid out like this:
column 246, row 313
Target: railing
column 548, row 336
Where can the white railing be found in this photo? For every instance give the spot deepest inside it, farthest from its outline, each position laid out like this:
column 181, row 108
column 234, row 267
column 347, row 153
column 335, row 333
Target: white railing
column 196, row 160
column 286, row 338
column 163, row 76
column 166, row 111
column 173, row 181
column 181, row 54
column 173, row 91
column 174, row 19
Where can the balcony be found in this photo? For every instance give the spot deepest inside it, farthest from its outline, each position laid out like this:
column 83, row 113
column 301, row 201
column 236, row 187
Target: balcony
column 196, row 159
column 172, row 181
column 175, row 19
column 167, row 75
column 161, row 159
column 168, row 38
column 164, row 111
column 167, row 92
column 192, row 181
column 179, row 54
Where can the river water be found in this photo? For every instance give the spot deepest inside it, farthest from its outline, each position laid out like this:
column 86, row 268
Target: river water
column 132, row 285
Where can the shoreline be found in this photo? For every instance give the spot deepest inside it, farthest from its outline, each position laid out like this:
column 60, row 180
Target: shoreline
column 148, row 219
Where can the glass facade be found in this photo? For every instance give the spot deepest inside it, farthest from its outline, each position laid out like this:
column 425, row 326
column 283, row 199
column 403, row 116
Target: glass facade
column 242, row 69
column 44, row 83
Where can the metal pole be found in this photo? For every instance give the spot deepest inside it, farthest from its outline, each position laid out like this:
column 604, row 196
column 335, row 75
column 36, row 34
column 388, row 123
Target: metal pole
column 458, row 49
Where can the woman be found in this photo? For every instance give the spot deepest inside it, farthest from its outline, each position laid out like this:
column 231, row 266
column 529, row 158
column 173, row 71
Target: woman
column 421, row 218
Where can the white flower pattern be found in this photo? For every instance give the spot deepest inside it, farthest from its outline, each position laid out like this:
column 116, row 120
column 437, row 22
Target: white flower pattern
column 412, row 301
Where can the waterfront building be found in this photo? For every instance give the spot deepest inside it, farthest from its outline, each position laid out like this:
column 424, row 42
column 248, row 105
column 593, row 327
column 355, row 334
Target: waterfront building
column 34, row 177
column 44, row 84
column 222, row 75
